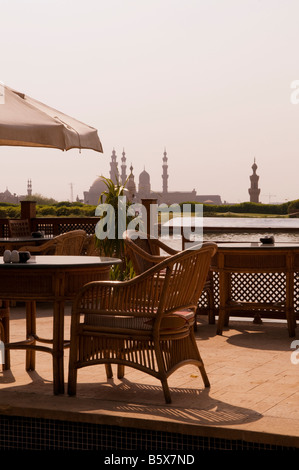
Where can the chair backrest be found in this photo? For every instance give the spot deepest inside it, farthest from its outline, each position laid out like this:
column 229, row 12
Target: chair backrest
column 141, row 250
column 173, row 284
column 19, row 228
column 185, row 277
column 70, row 243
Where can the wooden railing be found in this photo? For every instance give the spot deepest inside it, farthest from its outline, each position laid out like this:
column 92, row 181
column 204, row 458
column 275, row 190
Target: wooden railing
column 55, row 225
column 50, row 225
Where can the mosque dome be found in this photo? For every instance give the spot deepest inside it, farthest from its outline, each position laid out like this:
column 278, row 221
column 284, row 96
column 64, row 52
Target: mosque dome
column 144, row 178
column 98, row 186
column 93, row 195
column 144, row 184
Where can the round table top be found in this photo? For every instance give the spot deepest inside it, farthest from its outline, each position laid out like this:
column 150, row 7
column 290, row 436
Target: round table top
column 48, row 261
column 28, row 238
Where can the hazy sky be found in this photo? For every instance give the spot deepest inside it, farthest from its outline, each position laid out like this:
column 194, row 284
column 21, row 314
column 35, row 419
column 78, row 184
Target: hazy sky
column 209, row 80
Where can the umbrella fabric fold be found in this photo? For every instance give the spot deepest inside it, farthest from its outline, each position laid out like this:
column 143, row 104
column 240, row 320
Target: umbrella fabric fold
column 27, row 122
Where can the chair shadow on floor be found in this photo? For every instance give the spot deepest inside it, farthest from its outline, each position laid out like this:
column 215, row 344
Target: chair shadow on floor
column 8, row 377
column 139, row 399
column 131, row 397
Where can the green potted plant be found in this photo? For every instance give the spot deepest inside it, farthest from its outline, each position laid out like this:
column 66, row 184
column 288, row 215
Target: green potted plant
column 114, row 218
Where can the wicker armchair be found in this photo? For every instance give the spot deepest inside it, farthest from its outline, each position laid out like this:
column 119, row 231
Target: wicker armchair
column 137, row 323
column 69, row 243
column 19, row 228
column 145, row 252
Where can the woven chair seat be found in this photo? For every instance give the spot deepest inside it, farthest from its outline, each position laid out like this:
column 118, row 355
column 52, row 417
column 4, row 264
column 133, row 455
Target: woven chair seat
column 171, row 322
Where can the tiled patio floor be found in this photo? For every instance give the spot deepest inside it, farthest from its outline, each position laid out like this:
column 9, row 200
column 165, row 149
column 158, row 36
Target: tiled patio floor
column 254, row 391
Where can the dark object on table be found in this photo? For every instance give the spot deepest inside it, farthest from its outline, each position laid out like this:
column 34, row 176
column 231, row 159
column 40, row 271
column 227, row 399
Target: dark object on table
column 267, row 240
column 37, row 234
column 24, row 256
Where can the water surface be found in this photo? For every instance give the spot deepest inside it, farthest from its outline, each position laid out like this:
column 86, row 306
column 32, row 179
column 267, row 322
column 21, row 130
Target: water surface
column 230, row 228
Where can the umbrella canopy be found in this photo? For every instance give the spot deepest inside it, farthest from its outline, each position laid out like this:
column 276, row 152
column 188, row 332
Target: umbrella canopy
column 29, row 123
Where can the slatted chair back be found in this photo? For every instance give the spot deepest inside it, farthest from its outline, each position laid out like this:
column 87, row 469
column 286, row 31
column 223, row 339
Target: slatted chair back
column 70, row 243
column 19, row 228
column 145, row 252
column 170, row 286
column 185, row 277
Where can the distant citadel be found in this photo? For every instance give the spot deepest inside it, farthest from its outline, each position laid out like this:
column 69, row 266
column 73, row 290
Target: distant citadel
column 144, row 187
column 10, row 198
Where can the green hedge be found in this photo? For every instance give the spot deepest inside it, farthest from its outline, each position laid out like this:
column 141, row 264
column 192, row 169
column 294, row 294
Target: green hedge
column 78, row 209
column 293, row 206
column 65, row 210
column 13, row 211
column 244, row 208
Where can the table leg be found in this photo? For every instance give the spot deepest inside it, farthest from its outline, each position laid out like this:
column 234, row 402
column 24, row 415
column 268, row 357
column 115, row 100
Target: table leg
column 58, row 347
column 30, row 333
column 290, row 308
column 223, row 298
column 5, row 310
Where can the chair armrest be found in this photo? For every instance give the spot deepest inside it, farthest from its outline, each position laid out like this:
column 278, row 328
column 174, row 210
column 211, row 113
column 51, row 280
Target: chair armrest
column 145, row 255
column 164, row 247
column 40, row 249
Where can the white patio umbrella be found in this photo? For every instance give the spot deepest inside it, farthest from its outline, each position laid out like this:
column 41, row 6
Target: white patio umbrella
column 30, row 123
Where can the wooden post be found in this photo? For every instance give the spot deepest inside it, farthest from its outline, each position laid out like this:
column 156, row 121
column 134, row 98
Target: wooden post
column 150, row 218
column 28, row 211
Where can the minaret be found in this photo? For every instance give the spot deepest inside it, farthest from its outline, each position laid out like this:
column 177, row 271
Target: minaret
column 254, row 190
column 114, row 176
column 165, row 175
column 131, row 187
column 123, row 168
column 29, row 188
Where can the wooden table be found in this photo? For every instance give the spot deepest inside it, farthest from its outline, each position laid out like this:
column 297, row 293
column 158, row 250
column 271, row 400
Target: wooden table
column 54, row 279
column 14, row 243
column 272, row 269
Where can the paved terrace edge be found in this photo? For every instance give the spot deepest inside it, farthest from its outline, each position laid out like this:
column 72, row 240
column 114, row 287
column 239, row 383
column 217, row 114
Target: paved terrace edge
column 284, row 432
